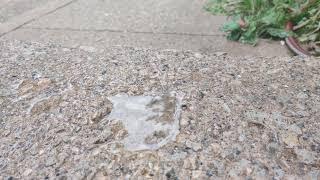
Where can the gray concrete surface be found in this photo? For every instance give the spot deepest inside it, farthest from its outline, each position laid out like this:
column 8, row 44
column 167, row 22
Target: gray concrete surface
column 20, row 20
column 12, row 8
column 214, row 43
column 168, row 24
column 166, row 16
column 240, row 118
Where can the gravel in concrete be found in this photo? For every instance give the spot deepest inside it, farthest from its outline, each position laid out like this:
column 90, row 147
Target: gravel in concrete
column 250, row 118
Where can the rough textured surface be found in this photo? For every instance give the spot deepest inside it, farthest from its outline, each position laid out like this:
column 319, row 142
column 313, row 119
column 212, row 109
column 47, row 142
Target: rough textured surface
column 241, row 117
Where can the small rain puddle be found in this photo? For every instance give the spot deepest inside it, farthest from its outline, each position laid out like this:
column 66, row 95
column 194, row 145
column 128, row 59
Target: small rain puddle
column 151, row 121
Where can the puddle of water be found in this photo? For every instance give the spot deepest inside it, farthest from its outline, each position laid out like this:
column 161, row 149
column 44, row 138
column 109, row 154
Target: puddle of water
column 151, row 121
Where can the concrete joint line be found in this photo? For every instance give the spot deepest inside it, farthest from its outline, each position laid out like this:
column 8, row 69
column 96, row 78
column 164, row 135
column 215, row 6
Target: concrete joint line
column 123, row 31
column 29, row 16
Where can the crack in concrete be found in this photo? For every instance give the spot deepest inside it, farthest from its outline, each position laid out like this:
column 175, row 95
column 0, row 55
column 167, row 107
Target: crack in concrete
column 124, row 31
column 19, row 25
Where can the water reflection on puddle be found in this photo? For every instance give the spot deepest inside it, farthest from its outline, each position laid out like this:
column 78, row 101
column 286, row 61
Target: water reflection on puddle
column 151, row 121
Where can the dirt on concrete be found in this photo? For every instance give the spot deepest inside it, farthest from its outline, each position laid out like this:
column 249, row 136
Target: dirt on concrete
column 242, row 117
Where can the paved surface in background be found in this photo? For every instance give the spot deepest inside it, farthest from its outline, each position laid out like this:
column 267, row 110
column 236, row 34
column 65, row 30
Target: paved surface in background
column 12, row 8
column 167, row 24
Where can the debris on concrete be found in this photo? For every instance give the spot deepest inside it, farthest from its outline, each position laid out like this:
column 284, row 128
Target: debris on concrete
column 59, row 114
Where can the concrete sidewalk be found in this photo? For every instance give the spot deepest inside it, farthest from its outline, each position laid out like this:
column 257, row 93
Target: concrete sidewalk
column 167, row 24
column 64, row 114
column 201, row 115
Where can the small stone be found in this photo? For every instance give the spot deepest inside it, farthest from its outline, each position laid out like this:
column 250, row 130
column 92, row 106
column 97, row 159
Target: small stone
column 41, row 151
column 295, row 129
column 66, row 49
column 198, row 55
column 6, row 133
column 45, row 105
column 242, row 138
column 27, row 172
column 99, row 115
column 193, row 145
column 226, row 108
column 190, row 163
column 186, row 164
column 290, row 138
column 96, row 152
column 156, row 137
column 35, row 75
column 283, row 164
column 248, row 171
column 88, row 49
column 243, row 166
column 196, row 147
column 302, row 95
column 273, row 148
column 197, row 174
column 220, row 53
column 305, row 156
column 77, row 128
column 101, row 176
column 61, row 158
column 43, row 83
column 192, row 122
column 184, row 122
column 50, row 161
column 279, row 173
column 25, row 87
column 216, row 148
column 209, row 173
column 171, row 175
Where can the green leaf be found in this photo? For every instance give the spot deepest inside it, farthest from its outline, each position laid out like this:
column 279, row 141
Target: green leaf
column 234, row 35
column 231, row 26
column 250, row 35
column 280, row 33
column 273, row 17
column 267, row 18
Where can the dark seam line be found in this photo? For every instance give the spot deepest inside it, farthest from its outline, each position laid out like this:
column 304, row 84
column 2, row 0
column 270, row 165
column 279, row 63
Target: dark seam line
column 40, row 16
column 121, row 31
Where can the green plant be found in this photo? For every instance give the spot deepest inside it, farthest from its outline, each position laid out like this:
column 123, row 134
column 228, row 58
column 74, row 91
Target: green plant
column 251, row 19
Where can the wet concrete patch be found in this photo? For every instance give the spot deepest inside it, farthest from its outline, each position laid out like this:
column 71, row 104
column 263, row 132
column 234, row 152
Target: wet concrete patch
column 151, row 121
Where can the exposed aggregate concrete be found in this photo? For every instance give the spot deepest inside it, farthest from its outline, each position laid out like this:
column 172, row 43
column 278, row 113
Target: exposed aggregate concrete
column 242, row 117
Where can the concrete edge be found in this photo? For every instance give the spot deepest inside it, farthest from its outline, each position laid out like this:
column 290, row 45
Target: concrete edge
column 29, row 16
